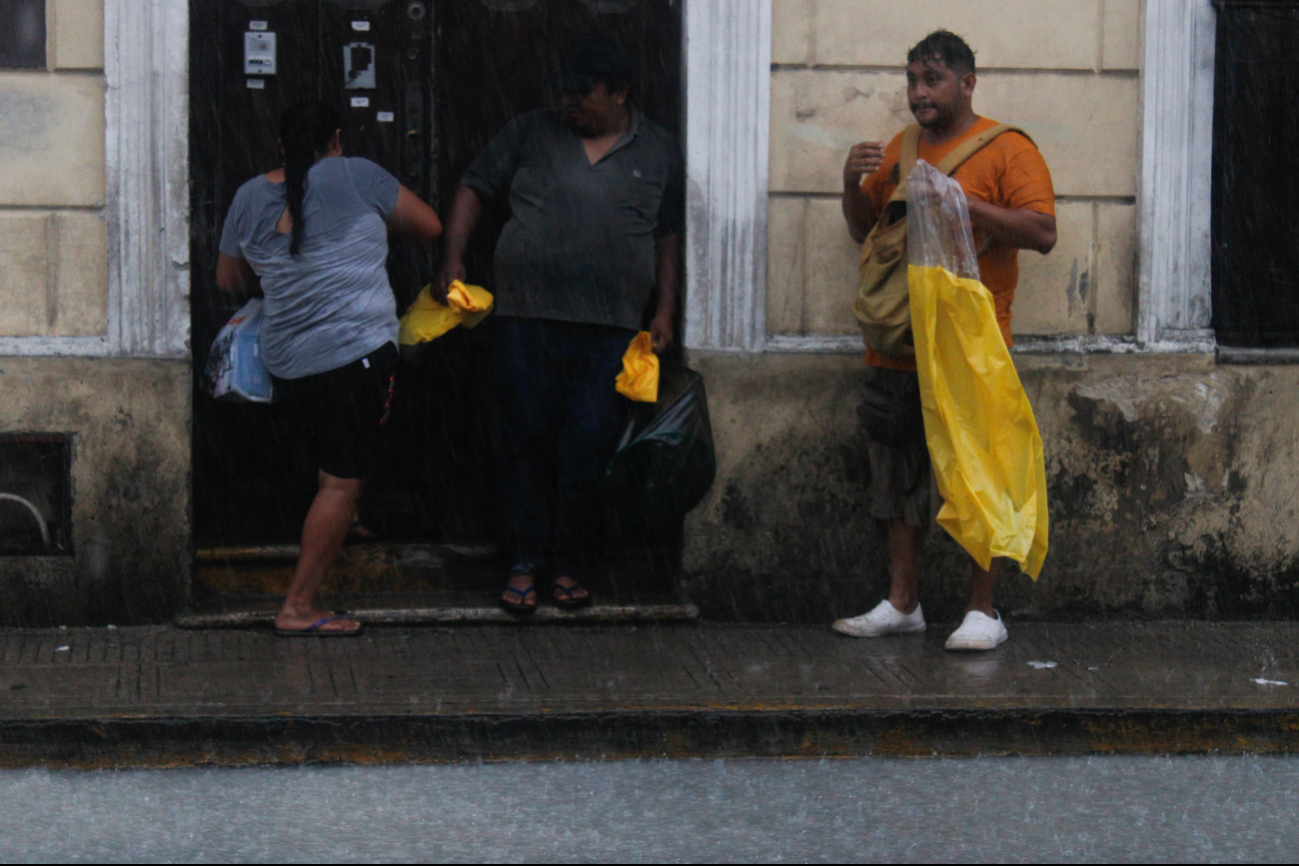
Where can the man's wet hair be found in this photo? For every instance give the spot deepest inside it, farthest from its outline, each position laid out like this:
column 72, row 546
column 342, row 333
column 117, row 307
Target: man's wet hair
column 944, row 46
column 597, row 60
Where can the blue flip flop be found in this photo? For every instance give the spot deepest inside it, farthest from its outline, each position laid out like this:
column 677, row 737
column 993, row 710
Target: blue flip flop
column 569, row 602
column 518, row 607
column 313, row 630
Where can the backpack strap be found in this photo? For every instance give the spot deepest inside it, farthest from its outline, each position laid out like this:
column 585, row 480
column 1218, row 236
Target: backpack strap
column 971, row 146
column 954, row 160
column 907, row 160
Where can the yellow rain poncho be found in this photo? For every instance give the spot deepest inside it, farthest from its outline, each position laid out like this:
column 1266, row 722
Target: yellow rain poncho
column 639, row 379
column 983, row 440
column 427, row 319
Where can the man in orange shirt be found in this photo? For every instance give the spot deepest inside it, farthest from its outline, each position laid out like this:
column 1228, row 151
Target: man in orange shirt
column 1012, row 207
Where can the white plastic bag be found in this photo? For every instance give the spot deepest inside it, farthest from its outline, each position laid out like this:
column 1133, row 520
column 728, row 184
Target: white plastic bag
column 235, row 367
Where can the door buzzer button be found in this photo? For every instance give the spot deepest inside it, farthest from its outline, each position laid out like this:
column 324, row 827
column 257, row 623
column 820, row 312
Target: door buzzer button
column 259, row 53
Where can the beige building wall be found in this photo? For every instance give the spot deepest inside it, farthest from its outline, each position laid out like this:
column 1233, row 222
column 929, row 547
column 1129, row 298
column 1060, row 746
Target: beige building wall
column 1065, row 71
column 53, row 244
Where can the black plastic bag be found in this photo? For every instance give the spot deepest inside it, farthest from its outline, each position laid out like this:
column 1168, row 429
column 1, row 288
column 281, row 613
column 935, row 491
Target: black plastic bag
column 665, row 463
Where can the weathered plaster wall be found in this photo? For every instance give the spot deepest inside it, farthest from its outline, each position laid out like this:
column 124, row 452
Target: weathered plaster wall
column 130, row 482
column 129, row 419
column 1066, row 71
column 1173, row 489
column 53, row 239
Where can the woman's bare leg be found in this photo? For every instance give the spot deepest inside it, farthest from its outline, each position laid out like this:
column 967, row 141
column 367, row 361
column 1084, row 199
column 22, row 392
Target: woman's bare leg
column 323, row 535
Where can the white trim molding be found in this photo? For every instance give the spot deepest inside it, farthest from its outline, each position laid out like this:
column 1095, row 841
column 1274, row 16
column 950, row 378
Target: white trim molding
column 54, row 347
column 146, row 60
column 1051, row 344
column 728, row 129
column 1174, row 304
column 826, row 344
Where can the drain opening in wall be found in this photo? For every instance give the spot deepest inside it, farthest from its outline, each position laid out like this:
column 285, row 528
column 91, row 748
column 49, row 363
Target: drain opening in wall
column 35, row 494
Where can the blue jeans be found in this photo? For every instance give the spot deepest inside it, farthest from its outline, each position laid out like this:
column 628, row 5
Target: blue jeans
column 556, row 423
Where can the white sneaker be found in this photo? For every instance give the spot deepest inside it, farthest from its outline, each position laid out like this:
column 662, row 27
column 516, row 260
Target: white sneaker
column 978, row 633
column 883, row 620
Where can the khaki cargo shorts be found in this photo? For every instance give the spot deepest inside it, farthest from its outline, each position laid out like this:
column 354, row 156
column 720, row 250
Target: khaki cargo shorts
column 902, row 486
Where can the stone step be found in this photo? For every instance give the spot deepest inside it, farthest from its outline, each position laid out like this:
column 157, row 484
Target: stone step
column 418, row 584
column 363, row 568
column 388, row 568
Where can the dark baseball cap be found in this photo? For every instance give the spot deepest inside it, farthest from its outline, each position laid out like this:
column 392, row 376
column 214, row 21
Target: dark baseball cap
column 596, row 58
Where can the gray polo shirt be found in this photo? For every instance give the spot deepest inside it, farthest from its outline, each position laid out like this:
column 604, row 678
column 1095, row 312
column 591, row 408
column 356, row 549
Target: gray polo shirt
column 579, row 244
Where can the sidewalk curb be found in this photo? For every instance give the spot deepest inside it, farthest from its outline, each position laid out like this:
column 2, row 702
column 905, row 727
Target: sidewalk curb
column 115, row 743
column 598, row 614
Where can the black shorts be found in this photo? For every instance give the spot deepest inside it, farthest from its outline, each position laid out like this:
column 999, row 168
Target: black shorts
column 345, row 408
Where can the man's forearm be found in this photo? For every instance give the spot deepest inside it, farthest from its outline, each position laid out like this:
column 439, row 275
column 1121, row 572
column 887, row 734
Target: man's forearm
column 668, row 254
column 466, row 210
column 857, row 212
column 1021, row 229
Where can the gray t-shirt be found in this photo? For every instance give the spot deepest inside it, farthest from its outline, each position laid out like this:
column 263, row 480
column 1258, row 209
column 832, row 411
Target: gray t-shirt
column 579, row 245
column 331, row 304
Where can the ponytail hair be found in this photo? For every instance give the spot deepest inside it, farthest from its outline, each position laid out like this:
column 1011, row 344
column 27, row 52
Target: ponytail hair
column 306, row 129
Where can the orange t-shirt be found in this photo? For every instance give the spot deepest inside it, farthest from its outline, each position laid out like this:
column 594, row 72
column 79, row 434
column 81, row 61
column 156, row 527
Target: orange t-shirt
column 1009, row 172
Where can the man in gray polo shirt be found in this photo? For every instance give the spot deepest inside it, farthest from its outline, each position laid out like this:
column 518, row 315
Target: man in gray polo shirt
column 596, row 199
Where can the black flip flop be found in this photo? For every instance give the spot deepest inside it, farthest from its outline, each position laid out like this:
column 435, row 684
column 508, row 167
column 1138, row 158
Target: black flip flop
column 313, row 630
column 570, row 603
column 518, row 607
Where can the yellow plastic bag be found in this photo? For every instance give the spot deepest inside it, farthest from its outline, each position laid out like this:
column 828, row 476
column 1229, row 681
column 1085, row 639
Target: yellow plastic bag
column 427, row 319
column 639, row 379
column 983, row 440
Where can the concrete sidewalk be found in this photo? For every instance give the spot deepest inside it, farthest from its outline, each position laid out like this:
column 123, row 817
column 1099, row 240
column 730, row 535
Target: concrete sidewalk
column 166, row 696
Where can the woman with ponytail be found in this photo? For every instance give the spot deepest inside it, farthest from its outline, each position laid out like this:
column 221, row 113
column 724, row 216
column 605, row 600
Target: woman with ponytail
column 315, row 232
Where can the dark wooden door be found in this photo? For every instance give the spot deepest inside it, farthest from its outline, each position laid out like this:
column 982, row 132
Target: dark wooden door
column 448, row 75
column 1255, row 185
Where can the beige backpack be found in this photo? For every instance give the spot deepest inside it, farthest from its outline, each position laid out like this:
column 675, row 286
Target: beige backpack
column 883, row 307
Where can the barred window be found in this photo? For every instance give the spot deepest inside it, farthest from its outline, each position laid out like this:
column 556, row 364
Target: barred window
column 22, row 34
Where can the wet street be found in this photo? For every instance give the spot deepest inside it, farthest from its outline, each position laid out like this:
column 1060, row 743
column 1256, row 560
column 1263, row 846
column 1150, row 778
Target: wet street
column 972, row 810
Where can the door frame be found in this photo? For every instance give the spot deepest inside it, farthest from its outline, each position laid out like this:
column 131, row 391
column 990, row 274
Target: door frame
column 146, row 62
